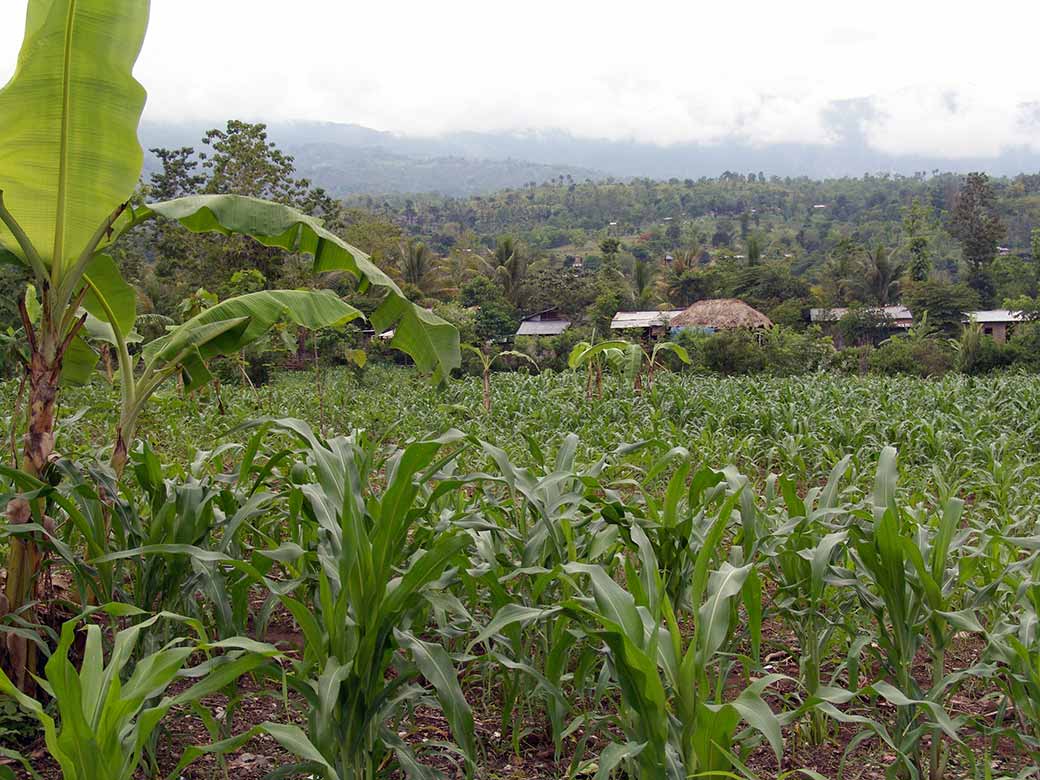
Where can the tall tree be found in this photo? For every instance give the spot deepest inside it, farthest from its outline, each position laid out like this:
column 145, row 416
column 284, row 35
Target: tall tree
column 610, row 248
column 881, row 274
column 510, row 269
column 917, row 225
column 419, row 268
column 975, row 224
column 643, row 281
column 754, row 250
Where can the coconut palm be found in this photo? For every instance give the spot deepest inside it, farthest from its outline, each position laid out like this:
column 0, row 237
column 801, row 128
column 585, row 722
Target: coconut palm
column 881, row 274
column 420, row 268
column 643, row 281
column 509, row 266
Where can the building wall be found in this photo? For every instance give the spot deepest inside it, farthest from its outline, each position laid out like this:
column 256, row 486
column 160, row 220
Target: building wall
column 998, row 330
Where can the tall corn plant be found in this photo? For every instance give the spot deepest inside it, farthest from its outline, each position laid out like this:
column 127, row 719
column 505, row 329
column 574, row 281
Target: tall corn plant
column 69, row 162
column 549, row 515
column 678, row 718
column 378, row 556
column 1012, row 654
column 908, row 578
column 803, row 552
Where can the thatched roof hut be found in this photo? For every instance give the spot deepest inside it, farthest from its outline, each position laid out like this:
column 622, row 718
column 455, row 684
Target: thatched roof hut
column 721, row 314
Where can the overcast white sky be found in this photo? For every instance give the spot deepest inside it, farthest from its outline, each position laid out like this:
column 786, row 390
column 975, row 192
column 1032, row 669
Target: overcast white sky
column 943, row 78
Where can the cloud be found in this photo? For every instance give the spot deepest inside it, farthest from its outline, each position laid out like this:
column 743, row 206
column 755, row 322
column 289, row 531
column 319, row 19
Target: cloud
column 903, row 78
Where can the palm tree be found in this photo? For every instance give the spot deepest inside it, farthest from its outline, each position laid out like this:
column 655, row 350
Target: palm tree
column 643, row 281
column 459, row 267
column 510, row 269
column 418, row 267
column 881, row 273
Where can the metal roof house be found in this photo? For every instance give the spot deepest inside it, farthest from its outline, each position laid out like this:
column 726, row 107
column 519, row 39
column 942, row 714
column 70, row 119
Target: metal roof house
column 996, row 322
column 641, row 320
column 543, row 323
column 899, row 316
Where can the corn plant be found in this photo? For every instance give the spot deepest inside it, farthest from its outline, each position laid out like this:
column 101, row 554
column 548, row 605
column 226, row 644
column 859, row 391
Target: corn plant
column 678, row 522
column 1012, row 655
column 109, row 709
column 802, row 553
column 678, row 719
column 378, row 556
column 910, row 583
column 550, row 514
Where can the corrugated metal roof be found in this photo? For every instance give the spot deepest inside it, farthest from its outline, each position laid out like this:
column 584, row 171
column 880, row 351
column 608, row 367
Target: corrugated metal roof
column 641, row 319
column 833, row 315
column 996, row 315
column 543, row 328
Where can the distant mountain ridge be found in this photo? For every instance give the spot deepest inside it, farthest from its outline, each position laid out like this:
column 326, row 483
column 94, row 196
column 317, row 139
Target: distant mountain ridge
column 352, row 159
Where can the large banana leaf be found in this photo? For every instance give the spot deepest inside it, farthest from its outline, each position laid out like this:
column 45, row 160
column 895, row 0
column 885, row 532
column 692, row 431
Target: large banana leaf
column 255, row 313
column 431, row 342
column 69, row 153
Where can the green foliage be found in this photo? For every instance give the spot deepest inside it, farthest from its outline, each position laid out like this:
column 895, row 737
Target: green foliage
column 976, row 225
column 378, row 559
column 902, row 356
column 110, row 708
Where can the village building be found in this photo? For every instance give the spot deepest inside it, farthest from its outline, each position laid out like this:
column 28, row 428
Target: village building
column 543, row 323
column 896, row 317
column 997, row 323
column 720, row 314
column 651, row 324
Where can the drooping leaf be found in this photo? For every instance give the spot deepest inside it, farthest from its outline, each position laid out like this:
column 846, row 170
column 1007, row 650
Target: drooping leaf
column 431, row 342
column 253, row 315
column 436, row 666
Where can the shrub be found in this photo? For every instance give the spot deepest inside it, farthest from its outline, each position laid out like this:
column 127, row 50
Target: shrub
column 1024, row 347
column 895, row 356
column 788, row 352
column 851, row 360
column 551, row 352
column 733, row 352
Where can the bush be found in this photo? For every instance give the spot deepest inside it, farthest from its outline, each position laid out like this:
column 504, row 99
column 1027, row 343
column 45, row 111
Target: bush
column 733, row 352
column 551, row 351
column 788, row 352
column 1024, row 347
column 928, row 357
column 851, row 360
column 895, row 356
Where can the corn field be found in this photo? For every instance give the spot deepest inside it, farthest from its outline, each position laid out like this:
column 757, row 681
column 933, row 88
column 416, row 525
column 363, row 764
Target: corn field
column 808, row 577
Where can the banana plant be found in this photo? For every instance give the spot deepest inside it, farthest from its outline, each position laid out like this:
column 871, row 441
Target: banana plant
column 109, row 710
column 591, row 355
column 486, row 361
column 69, row 162
column 636, row 355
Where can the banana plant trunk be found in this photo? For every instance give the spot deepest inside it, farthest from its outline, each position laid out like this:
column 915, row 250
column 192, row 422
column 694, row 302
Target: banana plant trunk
column 24, row 557
column 487, row 390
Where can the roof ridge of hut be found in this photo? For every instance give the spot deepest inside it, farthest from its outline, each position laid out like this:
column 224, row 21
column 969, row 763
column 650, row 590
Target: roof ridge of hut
column 721, row 314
